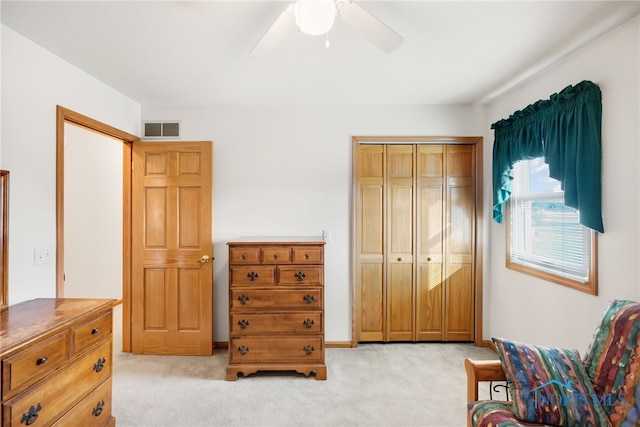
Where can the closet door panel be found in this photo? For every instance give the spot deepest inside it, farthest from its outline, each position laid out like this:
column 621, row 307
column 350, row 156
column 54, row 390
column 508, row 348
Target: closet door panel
column 460, row 256
column 370, row 252
column 429, row 304
column 400, row 242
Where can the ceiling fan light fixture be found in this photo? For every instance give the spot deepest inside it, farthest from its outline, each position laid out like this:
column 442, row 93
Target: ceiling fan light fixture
column 315, row 17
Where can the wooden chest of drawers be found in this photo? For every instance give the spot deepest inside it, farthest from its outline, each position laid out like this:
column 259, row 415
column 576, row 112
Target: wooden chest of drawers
column 55, row 359
column 276, row 306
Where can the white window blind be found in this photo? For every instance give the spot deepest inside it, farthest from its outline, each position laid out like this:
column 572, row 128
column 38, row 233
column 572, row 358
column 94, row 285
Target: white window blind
column 544, row 234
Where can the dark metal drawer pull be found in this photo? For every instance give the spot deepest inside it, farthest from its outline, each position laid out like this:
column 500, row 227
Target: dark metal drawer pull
column 300, row 275
column 243, row 350
column 252, row 276
column 95, row 331
column 98, row 409
column 243, row 323
column 243, row 299
column 31, row 416
column 99, row 364
column 309, row 349
column 41, row 361
column 309, row 299
column 309, row 323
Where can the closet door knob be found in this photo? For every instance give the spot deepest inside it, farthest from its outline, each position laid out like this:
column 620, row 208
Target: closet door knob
column 429, row 259
column 399, row 258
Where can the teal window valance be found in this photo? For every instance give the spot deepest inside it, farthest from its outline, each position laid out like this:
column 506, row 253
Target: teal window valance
column 564, row 129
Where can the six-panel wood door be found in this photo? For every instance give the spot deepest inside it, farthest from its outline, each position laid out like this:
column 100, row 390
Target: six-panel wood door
column 172, row 249
column 415, row 215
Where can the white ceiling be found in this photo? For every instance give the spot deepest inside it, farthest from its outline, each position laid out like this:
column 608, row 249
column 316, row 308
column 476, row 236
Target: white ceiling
column 197, row 53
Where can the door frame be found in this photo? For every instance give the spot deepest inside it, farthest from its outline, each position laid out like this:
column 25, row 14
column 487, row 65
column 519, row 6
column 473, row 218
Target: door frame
column 478, row 292
column 64, row 115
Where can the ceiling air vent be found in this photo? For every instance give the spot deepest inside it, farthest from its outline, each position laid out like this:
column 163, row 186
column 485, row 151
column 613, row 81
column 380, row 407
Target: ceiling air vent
column 161, row 129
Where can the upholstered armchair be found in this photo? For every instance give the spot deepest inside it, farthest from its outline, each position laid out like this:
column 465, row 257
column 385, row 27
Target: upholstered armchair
column 553, row 386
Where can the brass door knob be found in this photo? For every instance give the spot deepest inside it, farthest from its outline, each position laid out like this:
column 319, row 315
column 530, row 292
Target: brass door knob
column 205, row 259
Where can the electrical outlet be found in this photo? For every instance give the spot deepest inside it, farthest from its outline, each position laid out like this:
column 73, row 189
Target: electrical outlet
column 43, row 255
column 326, row 235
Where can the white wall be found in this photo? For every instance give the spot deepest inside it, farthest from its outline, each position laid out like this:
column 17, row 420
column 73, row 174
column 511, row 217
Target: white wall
column 287, row 171
column 521, row 307
column 34, row 81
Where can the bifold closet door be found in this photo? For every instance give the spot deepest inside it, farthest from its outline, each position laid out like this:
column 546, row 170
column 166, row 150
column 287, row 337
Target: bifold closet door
column 415, row 217
column 460, row 213
column 399, row 239
column 369, row 241
column 430, row 232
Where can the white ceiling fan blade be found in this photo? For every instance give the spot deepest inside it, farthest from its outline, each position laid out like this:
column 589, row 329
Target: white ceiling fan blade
column 370, row 26
column 276, row 33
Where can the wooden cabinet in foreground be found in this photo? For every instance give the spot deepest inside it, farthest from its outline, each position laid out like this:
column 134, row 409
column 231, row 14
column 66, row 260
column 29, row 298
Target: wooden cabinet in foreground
column 56, row 362
column 276, row 306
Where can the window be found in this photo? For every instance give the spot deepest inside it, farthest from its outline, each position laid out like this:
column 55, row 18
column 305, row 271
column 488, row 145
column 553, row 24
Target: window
column 544, row 237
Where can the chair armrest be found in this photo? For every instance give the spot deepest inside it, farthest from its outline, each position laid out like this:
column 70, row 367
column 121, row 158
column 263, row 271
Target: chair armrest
column 481, row 370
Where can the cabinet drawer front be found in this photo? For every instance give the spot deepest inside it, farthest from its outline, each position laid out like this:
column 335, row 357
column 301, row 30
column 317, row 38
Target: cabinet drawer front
column 300, row 275
column 44, row 403
column 277, row 255
column 244, row 255
column 90, row 332
column 280, row 299
column 255, row 275
column 93, row 411
column 307, row 255
column 292, row 349
column 274, row 323
column 25, row 368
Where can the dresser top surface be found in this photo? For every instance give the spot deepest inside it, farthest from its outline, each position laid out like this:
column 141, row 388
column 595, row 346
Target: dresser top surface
column 21, row 322
column 249, row 240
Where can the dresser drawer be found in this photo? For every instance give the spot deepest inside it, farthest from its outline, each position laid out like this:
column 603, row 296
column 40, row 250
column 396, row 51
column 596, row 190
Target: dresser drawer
column 275, row 323
column 45, row 402
column 256, row 275
column 244, row 255
column 307, row 255
column 276, row 255
column 90, row 332
column 93, row 411
column 281, row 299
column 300, row 275
column 270, row 350
column 28, row 366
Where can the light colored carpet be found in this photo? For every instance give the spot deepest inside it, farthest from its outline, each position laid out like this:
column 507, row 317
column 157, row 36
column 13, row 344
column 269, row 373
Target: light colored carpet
column 371, row 385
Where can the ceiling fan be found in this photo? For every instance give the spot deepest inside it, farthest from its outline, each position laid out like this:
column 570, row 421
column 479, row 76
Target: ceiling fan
column 316, row 17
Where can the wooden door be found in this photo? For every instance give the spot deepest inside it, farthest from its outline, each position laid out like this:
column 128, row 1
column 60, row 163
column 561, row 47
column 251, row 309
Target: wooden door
column 430, row 236
column 460, row 243
column 172, row 250
column 415, row 241
column 400, row 242
column 370, row 244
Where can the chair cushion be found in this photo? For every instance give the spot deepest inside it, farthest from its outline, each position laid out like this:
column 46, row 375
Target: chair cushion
column 494, row 413
column 612, row 362
column 549, row 385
